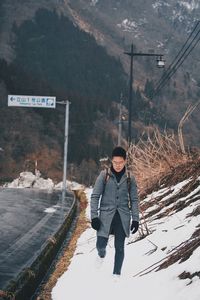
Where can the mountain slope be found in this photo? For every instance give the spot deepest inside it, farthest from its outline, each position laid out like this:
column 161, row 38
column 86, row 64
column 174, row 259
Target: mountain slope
column 49, row 47
column 152, row 26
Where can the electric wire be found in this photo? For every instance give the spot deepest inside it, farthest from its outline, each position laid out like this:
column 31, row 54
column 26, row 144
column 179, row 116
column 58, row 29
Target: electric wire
column 179, row 62
column 174, row 66
column 174, row 60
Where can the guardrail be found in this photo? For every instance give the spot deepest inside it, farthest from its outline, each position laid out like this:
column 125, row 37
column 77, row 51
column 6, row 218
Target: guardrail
column 23, row 287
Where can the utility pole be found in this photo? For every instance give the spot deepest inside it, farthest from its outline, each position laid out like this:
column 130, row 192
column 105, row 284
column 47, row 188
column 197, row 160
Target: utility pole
column 120, row 122
column 130, row 96
column 160, row 64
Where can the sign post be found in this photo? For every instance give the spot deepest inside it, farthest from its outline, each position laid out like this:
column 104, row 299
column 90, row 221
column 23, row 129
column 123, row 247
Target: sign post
column 66, row 103
column 46, row 102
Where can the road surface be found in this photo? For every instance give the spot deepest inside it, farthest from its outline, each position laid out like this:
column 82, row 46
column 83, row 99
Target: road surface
column 27, row 219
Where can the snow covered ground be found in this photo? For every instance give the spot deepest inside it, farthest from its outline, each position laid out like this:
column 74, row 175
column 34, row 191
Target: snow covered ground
column 83, row 280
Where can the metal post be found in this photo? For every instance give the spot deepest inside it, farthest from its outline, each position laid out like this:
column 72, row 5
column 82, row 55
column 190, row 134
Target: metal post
column 160, row 63
column 65, row 149
column 130, row 97
column 120, row 123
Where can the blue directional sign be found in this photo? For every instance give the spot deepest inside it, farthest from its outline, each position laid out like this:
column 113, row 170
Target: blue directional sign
column 32, row 101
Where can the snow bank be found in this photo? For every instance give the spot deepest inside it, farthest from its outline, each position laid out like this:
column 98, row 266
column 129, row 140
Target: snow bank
column 30, row 180
column 71, row 185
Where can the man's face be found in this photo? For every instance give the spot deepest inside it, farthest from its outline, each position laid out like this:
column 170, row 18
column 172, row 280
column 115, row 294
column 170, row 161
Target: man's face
column 118, row 163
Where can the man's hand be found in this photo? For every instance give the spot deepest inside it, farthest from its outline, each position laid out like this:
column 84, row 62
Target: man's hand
column 96, row 223
column 134, row 226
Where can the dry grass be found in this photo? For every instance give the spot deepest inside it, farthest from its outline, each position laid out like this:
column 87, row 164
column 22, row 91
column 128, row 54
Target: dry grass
column 151, row 159
column 159, row 161
column 64, row 262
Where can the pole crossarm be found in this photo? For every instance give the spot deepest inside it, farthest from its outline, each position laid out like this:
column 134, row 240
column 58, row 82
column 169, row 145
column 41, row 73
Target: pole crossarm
column 62, row 102
column 143, row 54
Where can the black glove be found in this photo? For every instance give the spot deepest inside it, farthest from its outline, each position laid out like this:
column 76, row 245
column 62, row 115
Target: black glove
column 134, row 226
column 96, row 223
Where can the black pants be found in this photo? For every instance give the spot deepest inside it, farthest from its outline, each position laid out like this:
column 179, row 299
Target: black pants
column 119, row 239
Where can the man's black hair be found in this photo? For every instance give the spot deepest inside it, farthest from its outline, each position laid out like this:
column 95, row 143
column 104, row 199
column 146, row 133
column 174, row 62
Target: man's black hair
column 119, row 151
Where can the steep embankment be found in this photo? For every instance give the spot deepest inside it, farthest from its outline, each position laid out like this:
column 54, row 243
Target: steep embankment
column 162, row 256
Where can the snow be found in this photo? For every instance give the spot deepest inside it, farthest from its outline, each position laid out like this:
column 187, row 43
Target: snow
column 93, row 2
column 158, row 4
column 128, row 25
column 131, row 26
column 51, row 210
column 190, row 5
column 30, row 180
column 72, row 185
column 83, row 280
column 35, row 181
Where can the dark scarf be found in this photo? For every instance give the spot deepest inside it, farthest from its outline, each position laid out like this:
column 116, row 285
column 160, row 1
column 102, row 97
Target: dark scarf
column 118, row 175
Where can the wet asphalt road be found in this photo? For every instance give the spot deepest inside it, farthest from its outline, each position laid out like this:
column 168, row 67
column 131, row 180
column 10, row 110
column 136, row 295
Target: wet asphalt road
column 27, row 219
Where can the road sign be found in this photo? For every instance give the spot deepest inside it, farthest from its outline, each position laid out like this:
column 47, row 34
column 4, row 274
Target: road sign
column 31, row 101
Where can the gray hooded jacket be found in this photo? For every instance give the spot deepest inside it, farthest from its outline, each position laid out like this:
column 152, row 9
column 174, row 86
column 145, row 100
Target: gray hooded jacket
column 115, row 197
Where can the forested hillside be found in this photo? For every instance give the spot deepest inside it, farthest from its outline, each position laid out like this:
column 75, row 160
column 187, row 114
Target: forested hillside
column 53, row 57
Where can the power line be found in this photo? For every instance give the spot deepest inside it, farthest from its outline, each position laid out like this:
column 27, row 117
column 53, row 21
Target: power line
column 178, row 61
column 181, row 62
column 177, row 65
column 171, row 67
column 174, row 60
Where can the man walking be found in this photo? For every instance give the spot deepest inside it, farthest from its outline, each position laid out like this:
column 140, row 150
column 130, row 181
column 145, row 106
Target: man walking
column 114, row 206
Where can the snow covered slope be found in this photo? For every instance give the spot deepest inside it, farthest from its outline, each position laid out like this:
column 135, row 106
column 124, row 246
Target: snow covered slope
column 161, row 260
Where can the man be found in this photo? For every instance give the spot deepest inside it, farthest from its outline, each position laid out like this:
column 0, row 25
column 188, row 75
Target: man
column 110, row 209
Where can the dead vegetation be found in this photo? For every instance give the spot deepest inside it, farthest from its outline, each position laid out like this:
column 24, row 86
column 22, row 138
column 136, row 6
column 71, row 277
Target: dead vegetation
column 156, row 162
column 180, row 253
column 153, row 158
column 183, row 252
column 160, row 162
column 188, row 275
column 172, row 205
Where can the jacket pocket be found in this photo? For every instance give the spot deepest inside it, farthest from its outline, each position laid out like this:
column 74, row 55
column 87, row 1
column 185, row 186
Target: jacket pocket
column 105, row 209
